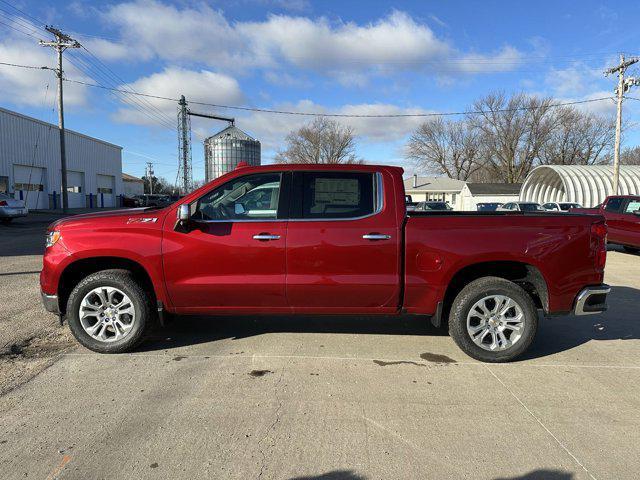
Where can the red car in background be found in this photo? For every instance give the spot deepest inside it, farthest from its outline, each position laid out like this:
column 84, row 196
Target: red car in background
column 622, row 213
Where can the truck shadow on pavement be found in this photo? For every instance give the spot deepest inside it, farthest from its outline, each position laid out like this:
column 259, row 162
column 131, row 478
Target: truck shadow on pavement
column 555, row 334
column 542, row 474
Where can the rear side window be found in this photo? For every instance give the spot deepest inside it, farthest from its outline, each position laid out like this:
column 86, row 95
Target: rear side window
column 632, row 206
column 327, row 195
column 613, row 205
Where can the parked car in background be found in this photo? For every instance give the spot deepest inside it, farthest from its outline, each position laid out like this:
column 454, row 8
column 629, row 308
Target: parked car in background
column 560, row 206
column 130, row 202
column 322, row 239
column 427, row 206
column 409, row 203
column 622, row 213
column 11, row 208
column 520, row 207
column 488, row 207
column 153, row 200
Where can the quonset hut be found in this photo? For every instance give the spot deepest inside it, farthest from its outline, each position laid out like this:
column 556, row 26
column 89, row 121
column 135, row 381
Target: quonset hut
column 587, row 185
column 226, row 149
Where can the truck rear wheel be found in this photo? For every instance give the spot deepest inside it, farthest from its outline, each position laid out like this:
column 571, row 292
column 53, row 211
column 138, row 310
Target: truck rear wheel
column 493, row 320
column 108, row 312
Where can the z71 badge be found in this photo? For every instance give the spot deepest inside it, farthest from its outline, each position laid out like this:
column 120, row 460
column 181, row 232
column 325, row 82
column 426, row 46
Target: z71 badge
column 142, row 220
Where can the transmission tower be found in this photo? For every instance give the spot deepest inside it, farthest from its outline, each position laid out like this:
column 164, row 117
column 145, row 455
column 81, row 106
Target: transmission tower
column 185, row 174
column 184, row 147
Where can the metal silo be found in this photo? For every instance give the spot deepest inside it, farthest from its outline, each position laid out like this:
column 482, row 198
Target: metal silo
column 224, row 150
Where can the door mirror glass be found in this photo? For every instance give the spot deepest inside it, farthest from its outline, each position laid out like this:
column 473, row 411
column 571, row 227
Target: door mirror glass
column 183, row 213
column 239, row 209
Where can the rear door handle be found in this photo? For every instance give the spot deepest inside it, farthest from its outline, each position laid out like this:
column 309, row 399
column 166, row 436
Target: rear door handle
column 376, row 236
column 265, row 237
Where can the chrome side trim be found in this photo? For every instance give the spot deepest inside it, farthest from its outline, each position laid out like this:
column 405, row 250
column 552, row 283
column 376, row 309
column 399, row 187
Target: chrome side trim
column 583, row 298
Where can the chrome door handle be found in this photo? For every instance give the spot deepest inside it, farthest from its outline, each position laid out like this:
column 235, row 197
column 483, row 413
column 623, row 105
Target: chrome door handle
column 376, row 236
column 265, row 237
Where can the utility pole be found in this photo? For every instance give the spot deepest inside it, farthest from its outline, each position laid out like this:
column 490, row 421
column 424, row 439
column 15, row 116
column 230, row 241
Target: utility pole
column 149, row 175
column 61, row 43
column 621, row 89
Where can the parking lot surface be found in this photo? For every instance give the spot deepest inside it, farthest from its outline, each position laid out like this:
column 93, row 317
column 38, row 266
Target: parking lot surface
column 314, row 397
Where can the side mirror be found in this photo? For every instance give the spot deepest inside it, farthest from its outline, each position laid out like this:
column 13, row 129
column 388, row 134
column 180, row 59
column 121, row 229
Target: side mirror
column 238, row 208
column 183, row 213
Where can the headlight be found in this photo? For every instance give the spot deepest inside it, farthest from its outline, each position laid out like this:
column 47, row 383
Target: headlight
column 52, row 238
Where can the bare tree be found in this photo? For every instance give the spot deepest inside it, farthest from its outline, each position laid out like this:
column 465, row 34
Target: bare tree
column 320, row 141
column 448, row 147
column 512, row 131
column 630, row 156
column 578, row 138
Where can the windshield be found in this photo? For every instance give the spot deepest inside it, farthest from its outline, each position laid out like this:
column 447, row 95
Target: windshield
column 567, row 206
column 436, row 206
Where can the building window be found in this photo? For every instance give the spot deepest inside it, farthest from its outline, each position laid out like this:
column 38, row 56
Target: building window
column 105, row 190
column 453, row 198
column 29, row 187
column 74, row 189
column 4, row 184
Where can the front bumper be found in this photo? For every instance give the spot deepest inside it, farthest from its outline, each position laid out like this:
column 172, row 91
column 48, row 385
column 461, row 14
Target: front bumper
column 50, row 303
column 592, row 300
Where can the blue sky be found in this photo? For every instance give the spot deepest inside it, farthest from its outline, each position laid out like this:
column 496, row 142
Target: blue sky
column 360, row 57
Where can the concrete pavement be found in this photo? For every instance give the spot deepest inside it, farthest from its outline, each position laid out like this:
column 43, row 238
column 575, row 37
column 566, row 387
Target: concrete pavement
column 333, row 398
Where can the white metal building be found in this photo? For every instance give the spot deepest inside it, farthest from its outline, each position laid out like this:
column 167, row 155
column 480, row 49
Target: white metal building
column 30, row 165
column 442, row 189
column 132, row 185
column 474, row 193
column 587, row 185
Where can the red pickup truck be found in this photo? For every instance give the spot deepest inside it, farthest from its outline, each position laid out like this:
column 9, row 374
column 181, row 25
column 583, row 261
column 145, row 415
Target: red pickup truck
column 622, row 213
column 322, row 239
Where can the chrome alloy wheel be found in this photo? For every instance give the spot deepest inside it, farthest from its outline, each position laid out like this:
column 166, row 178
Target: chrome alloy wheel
column 107, row 314
column 495, row 322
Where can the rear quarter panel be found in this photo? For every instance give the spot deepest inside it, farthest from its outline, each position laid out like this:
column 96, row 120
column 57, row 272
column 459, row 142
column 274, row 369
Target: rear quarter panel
column 438, row 247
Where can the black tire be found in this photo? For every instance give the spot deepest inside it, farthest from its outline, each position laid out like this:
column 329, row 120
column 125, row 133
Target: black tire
column 629, row 249
column 142, row 302
column 6, row 221
column 474, row 292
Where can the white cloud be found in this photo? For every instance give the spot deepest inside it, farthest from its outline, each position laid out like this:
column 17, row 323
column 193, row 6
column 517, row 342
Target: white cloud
column 272, row 129
column 27, row 86
column 343, row 50
column 196, row 86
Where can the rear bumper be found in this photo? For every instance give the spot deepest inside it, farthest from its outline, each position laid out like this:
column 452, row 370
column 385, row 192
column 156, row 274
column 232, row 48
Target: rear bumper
column 11, row 212
column 50, row 303
column 592, row 300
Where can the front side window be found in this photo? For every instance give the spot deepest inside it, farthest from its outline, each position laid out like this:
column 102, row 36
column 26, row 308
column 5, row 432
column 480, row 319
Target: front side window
column 337, row 195
column 252, row 197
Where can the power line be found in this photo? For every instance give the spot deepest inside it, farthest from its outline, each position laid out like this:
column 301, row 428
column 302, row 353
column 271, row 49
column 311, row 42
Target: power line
column 26, row 66
column 344, row 115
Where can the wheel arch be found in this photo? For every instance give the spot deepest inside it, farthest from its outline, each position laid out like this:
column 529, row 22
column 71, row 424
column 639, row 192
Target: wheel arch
column 76, row 271
column 523, row 274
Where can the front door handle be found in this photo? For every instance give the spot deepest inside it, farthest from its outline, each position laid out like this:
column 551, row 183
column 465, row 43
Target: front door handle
column 376, row 236
column 265, row 237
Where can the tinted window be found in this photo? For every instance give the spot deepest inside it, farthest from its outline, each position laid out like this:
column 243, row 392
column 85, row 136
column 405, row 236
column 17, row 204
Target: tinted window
column 614, row 204
column 251, row 197
column 632, row 206
column 529, row 207
column 337, row 195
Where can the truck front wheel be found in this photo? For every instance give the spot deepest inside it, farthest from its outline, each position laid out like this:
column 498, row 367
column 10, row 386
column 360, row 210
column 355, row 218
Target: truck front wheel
column 108, row 311
column 493, row 320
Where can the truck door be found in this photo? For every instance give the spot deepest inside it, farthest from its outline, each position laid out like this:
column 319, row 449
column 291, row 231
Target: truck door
column 630, row 223
column 613, row 213
column 231, row 256
column 343, row 243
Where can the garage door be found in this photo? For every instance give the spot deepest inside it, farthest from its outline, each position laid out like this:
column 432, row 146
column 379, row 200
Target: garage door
column 75, row 189
column 29, row 185
column 106, row 191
